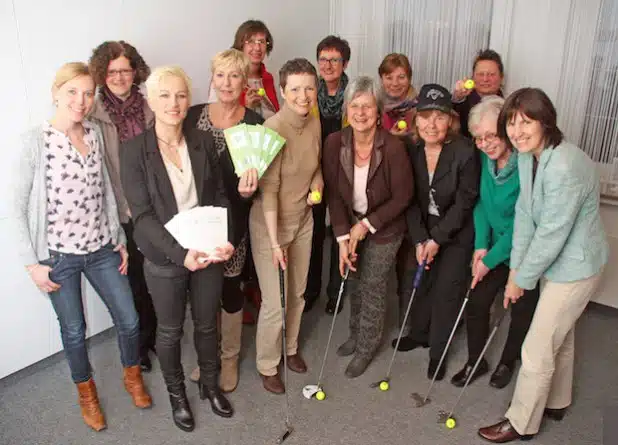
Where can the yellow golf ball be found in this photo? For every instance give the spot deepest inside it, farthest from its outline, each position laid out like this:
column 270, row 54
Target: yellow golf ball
column 450, row 423
column 261, row 92
column 384, row 386
column 316, row 196
column 320, row 395
column 402, row 125
column 469, row 84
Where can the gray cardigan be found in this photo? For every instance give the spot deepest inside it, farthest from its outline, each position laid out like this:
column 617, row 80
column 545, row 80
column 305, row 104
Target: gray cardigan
column 27, row 199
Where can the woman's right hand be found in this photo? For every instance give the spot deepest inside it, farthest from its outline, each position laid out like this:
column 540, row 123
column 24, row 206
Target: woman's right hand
column 279, row 257
column 479, row 254
column 195, row 260
column 344, row 257
column 420, row 254
column 40, row 275
column 252, row 98
column 461, row 92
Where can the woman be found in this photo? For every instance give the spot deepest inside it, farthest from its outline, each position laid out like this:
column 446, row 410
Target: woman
column 487, row 75
column 230, row 69
column 333, row 55
column 122, row 113
column 370, row 182
column 494, row 215
column 164, row 171
column 68, row 226
column 440, row 223
column 281, row 224
column 558, row 237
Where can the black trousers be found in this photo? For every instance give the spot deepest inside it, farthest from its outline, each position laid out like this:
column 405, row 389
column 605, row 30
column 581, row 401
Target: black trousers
column 141, row 296
column 314, row 276
column 169, row 286
column 477, row 316
column 438, row 299
column 233, row 298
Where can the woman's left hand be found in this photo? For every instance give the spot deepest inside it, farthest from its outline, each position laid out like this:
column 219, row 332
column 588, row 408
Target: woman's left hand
column 357, row 234
column 248, row 183
column 225, row 253
column 512, row 292
column 431, row 250
column 124, row 257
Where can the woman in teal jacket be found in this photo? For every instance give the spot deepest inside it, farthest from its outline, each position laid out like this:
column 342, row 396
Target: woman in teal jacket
column 558, row 236
column 494, row 215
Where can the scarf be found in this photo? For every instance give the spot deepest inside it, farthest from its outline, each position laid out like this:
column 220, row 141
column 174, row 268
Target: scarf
column 503, row 175
column 397, row 108
column 127, row 116
column 331, row 106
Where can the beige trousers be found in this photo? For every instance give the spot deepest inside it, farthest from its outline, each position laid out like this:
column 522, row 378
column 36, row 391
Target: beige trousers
column 295, row 239
column 545, row 378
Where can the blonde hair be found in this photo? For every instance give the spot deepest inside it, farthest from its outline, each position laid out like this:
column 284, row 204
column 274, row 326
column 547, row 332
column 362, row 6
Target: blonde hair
column 488, row 106
column 231, row 59
column 68, row 72
column 158, row 74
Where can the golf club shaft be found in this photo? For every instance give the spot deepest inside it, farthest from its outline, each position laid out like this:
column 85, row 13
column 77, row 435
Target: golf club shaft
column 478, row 361
column 332, row 324
column 284, row 345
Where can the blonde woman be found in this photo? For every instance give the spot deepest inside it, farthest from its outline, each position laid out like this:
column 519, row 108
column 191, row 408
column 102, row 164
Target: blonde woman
column 67, row 222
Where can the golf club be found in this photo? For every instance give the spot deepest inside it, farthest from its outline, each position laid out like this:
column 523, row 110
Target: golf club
column 288, row 426
column 316, row 390
column 422, row 401
column 384, row 384
column 447, row 417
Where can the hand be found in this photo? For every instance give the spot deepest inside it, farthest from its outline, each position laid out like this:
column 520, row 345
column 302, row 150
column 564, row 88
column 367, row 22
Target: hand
column 512, row 292
column 479, row 273
column 461, row 92
column 248, row 183
column 310, row 201
column 252, row 98
column 420, row 254
column 225, row 253
column 357, row 233
column 345, row 259
column 431, row 250
column 195, row 260
column 40, row 275
column 279, row 257
column 479, row 254
column 124, row 256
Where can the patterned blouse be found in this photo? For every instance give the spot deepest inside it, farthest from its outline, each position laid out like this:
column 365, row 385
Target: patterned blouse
column 76, row 222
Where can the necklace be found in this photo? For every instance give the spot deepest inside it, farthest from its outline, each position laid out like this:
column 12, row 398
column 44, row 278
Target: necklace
column 170, row 145
column 172, row 149
column 362, row 158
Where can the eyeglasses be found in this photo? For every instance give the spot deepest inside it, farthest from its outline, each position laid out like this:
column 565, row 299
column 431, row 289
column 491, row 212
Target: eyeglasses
column 259, row 42
column 123, row 73
column 333, row 61
column 489, row 138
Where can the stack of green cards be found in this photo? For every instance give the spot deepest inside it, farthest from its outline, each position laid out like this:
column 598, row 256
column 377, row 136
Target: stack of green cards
column 252, row 146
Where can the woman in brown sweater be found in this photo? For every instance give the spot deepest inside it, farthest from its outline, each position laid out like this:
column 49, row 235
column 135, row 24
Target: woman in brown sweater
column 281, row 222
column 370, row 181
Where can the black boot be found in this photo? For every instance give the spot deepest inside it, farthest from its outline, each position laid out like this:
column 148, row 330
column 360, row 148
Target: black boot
column 331, row 305
column 144, row 361
column 460, row 378
column 219, row 404
column 433, row 365
column 502, row 375
column 181, row 410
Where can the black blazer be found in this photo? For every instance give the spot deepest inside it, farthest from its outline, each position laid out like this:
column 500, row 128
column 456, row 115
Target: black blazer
column 150, row 196
column 455, row 189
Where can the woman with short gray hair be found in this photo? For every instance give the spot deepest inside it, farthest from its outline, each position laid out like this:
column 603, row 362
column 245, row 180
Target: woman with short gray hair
column 369, row 177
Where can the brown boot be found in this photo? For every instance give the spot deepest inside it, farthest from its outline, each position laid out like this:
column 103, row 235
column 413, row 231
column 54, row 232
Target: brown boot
column 134, row 384
column 231, row 331
column 89, row 404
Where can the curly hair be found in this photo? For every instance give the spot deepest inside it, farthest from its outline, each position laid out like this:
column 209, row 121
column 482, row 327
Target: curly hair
column 103, row 54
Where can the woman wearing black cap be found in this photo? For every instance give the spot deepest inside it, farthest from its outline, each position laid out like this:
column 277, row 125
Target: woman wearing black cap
column 446, row 176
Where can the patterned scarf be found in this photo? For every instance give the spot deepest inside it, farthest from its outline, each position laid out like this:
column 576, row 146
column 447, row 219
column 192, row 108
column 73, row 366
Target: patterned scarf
column 331, row 106
column 396, row 108
column 128, row 116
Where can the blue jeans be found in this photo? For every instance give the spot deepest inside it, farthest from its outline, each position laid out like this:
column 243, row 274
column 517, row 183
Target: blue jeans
column 101, row 270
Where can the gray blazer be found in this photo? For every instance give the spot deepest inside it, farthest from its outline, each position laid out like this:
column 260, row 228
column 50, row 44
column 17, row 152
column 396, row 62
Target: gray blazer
column 27, row 199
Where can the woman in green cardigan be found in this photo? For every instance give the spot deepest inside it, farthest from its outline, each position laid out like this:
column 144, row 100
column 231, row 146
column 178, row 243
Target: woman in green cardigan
column 494, row 215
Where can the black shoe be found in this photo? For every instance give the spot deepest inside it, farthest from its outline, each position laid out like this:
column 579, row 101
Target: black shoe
column 310, row 302
column 459, row 379
column 555, row 414
column 431, row 370
column 348, row 348
column 219, row 404
column 181, row 411
column 144, row 362
column 408, row 343
column 331, row 305
column 357, row 366
column 501, row 376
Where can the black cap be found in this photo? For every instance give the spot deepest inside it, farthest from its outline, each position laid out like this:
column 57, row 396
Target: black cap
column 434, row 97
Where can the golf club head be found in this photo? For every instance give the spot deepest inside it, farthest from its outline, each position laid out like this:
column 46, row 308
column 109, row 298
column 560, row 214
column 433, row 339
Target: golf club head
column 285, row 434
column 420, row 401
column 310, row 390
column 442, row 416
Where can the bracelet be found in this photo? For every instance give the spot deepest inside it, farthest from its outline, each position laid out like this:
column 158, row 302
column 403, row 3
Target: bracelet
column 276, row 246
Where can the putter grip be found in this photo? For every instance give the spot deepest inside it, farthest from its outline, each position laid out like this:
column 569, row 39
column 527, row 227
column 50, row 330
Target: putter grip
column 419, row 273
column 281, row 286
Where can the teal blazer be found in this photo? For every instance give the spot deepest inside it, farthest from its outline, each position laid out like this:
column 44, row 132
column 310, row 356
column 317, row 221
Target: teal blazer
column 558, row 232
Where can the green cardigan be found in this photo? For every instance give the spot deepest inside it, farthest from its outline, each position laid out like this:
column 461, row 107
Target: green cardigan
column 494, row 213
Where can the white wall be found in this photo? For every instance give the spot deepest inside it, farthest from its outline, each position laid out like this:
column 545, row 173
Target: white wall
column 39, row 36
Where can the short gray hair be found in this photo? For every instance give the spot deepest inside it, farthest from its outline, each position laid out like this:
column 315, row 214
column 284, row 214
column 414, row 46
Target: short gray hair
column 488, row 106
column 360, row 85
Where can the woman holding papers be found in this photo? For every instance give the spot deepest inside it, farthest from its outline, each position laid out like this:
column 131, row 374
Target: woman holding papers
column 164, row 171
column 370, row 181
column 281, row 222
column 230, row 69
